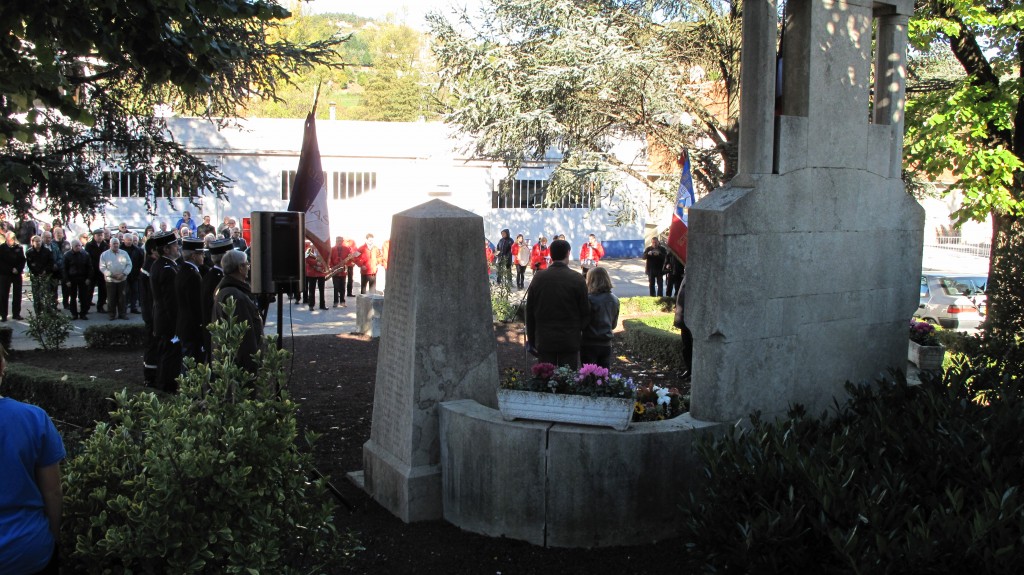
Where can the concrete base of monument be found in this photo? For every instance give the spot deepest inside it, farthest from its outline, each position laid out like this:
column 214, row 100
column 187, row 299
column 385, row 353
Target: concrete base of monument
column 411, row 493
column 369, row 312
column 562, row 485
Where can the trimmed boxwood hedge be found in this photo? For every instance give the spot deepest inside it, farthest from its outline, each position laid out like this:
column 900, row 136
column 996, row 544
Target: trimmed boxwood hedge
column 115, row 335
column 653, row 338
column 79, row 399
column 646, row 305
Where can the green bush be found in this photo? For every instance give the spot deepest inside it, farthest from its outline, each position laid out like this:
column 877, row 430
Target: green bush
column 50, row 327
column 903, row 479
column 645, row 305
column 79, row 399
column 109, row 335
column 654, row 339
column 210, row 480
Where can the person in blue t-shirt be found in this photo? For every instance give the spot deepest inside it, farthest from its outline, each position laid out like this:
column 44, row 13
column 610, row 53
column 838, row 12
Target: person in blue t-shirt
column 30, row 494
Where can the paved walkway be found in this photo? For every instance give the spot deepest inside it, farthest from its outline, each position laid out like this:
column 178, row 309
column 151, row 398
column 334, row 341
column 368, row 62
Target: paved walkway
column 627, row 276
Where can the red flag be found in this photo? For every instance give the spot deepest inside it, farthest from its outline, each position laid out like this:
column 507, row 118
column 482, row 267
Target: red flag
column 677, row 232
column 309, row 193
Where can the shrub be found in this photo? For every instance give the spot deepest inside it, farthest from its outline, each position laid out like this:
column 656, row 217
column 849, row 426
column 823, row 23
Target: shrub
column 653, row 338
column 115, row 335
column 79, row 399
column 50, row 327
column 903, row 479
column 502, row 304
column 210, row 480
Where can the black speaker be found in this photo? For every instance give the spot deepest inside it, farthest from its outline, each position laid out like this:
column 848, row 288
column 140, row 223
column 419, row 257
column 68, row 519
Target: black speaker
column 277, row 256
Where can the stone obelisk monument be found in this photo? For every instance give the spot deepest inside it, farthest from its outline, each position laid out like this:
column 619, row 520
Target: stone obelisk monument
column 804, row 269
column 437, row 344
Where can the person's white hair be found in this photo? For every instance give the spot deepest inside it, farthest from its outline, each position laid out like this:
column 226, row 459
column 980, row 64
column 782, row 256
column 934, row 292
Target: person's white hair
column 232, row 260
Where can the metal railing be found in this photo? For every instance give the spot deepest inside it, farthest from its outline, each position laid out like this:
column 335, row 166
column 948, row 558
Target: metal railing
column 954, row 244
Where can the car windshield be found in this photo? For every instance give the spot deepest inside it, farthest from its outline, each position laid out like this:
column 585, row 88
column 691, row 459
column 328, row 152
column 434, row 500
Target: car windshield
column 964, row 285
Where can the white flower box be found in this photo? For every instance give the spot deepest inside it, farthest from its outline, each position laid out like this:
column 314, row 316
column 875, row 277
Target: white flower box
column 614, row 412
column 926, row 357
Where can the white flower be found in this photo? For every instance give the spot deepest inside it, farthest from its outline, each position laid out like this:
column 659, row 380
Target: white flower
column 663, row 398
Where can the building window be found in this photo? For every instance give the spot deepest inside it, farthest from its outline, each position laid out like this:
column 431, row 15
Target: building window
column 342, row 185
column 118, row 184
column 123, row 184
column 532, row 194
column 351, row 184
column 174, row 186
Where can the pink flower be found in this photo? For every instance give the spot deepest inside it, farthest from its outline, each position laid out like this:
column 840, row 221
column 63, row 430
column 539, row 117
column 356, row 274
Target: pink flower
column 543, row 370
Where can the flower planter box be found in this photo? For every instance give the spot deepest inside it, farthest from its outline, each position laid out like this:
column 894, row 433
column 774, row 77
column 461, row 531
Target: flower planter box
column 926, row 357
column 614, row 412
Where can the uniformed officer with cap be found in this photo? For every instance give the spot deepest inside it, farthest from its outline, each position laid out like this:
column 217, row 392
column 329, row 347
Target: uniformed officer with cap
column 188, row 285
column 165, row 310
column 211, row 279
column 151, row 354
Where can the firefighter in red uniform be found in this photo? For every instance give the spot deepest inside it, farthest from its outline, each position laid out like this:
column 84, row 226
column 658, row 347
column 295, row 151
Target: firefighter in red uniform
column 369, row 259
column 591, row 253
column 540, row 256
column 316, row 272
column 339, row 263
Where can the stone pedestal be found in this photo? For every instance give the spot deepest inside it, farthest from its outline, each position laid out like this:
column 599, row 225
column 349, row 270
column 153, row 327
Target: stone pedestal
column 803, row 271
column 437, row 344
column 369, row 312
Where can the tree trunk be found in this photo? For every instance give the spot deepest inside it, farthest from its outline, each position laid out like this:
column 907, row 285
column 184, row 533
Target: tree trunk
column 1005, row 288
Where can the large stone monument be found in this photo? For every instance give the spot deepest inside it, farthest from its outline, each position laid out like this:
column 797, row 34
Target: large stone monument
column 437, row 344
column 804, row 269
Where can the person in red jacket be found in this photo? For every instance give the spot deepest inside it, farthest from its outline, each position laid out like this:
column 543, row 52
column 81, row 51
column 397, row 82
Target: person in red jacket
column 591, row 253
column 338, row 263
column 521, row 257
column 540, row 256
column 316, row 272
column 368, row 261
column 350, row 267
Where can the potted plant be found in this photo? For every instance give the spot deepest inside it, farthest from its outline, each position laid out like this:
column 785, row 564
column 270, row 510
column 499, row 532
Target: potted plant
column 656, row 403
column 590, row 396
column 925, row 351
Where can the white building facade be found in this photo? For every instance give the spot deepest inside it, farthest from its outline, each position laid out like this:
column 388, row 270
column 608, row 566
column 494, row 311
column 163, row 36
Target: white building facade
column 374, row 170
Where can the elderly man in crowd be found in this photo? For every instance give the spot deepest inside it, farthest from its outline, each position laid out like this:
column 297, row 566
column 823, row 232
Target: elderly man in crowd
column 115, row 265
column 130, row 245
column 77, row 275
column 235, row 287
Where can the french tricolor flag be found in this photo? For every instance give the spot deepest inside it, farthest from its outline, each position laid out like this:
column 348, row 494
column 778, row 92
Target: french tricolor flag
column 677, row 232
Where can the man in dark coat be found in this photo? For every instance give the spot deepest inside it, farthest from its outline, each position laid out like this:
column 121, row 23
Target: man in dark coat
column 96, row 246
column 165, row 311
column 188, row 285
column 557, row 310
column 503, row 257
column 208, row 289
column 138, row 257
column 654, row 266
column 12, row 265
column 77, row 276
column 234, row 286
column 686, row 335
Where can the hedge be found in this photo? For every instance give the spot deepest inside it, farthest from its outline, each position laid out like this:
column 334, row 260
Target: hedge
column 79, row 399
column 653, row 338
column 115, row 335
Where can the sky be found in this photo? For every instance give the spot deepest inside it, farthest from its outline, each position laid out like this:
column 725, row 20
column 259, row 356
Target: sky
column 411, row 12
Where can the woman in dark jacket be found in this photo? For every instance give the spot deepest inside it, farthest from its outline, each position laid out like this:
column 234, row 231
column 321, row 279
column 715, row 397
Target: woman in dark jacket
column 596, row 346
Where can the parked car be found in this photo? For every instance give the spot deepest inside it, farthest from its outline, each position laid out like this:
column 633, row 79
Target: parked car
column 953, row 300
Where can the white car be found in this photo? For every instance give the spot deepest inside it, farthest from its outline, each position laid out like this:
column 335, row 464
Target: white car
column 953, row 300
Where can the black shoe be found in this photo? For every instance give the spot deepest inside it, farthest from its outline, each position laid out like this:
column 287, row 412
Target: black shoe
column 323, row 307
column 19, row 318
column 84, row 317
column 310, row 308
column 136, row 311
column 4, row 318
